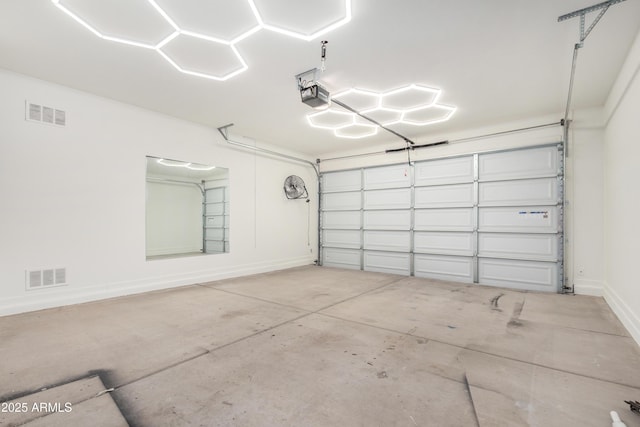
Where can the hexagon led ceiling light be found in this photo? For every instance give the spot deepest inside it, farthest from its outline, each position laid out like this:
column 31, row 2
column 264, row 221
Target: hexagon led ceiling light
column 301, row 11
column 342, row 123
column 162, row 29
column 414, row 105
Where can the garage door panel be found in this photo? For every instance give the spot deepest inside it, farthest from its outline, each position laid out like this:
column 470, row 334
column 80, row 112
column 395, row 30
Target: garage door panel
column 342, row 201
column 397, row 198
column 449, row 243
column 396, row 241
column 342, row 181
column 341, row 220
column 543, row 191
column 343, row 258
column 542, row 247
column 532, row 275
column 455, row 219
column 214, row 209
column 491, row 218
column 215, row 221
column 444, row 171
column 453, row 268
column 517, row 164
column 387, row 177
column 341, row 238
column 215, row 195
column 214, row 234
column 387, row 220
column 459, row 195
column 519, row 219
column 212, row 246
column 388, row 262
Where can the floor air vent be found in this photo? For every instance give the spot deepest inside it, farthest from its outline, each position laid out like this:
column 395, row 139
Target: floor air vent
column 43, row 114
column 38, row 279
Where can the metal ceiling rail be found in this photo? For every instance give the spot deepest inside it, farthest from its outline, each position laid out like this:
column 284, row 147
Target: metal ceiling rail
column 224, row 132
column 353, row 110
column 602, row 7
column 316, row 167
column 471, row 138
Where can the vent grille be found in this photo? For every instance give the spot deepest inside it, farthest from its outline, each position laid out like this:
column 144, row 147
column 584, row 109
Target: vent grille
column 43, row 114
column 47, row 114
column 34, row 112
column 49, row 277
column 61, row 118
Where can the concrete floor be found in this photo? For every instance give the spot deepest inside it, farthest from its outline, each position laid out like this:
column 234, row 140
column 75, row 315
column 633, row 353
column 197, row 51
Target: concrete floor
column 316, row 346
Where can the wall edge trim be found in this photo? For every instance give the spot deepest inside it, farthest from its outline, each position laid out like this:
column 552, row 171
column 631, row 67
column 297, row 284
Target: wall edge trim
column 588, row 287
column 33, row 302
column 628, row 318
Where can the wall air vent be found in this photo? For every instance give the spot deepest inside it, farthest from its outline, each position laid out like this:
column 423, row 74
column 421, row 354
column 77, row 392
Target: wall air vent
column 43, row 114
column 46, row 278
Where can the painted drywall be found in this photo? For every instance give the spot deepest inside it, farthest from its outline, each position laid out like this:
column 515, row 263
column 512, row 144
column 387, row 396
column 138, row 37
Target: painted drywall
column 622, row 189
column 173, row 218
column 584, row 228
column 74, row 197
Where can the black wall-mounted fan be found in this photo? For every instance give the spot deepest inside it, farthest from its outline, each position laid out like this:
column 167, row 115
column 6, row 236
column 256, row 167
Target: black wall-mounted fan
column 294, row 188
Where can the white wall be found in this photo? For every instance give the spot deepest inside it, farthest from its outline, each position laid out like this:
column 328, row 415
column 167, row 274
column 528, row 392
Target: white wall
column 74, row 197
column 585, row 213
column 584, row 265
column 173, row 218
column 622, row 194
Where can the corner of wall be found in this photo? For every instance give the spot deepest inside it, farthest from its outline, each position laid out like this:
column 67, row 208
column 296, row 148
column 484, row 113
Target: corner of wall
column 588, row 287
column 627, row 75
column 629, row 319
column 69, row 296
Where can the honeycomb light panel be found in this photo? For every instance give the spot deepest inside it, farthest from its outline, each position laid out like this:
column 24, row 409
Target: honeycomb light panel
column 177, row 30
column 192, row 166
column 359, row 99
column 198, row 57
column 429, row 115
column 221, row 20
column 324, row 29
column 76, row 17
column 356, row 131
column 410, row 97
column 385, row 116
column 331, row 119
column 413, row 104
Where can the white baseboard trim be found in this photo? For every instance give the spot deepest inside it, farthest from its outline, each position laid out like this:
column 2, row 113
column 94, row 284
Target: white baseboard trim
column 62, row 296
column 588, row 287
column 629, row 319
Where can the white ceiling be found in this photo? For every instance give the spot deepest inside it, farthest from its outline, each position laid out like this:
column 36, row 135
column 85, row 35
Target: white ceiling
column 496, row 60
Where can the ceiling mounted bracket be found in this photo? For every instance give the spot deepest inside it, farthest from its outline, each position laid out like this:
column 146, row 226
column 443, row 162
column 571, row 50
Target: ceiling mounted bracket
column 602, row 7
column 323, row 55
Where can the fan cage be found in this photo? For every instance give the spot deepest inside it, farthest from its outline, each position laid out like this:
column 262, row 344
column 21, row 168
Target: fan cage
column 294, row 188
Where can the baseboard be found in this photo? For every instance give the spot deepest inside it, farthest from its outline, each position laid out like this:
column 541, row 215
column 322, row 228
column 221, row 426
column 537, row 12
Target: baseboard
column 588, row 287
column 62, row 296
column 629, row 319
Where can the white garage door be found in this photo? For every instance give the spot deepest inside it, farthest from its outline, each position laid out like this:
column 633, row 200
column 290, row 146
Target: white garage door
column 216, row 220
column 489, row 218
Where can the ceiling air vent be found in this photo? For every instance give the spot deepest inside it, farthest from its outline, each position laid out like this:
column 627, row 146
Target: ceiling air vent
column 39, row 279
column 43, row 114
